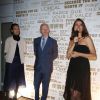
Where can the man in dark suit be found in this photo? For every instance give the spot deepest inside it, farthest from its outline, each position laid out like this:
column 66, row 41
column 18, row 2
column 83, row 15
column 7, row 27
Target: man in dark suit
column 46, row 50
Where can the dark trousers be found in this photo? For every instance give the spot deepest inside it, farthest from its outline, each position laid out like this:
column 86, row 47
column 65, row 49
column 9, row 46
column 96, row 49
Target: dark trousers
column 44, row 78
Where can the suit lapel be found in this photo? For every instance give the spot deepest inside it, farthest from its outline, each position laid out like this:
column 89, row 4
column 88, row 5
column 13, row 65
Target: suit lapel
column 39, row 44
column 47, row 44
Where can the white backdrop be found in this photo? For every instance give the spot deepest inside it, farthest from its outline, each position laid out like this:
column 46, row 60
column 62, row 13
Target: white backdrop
column 60, row 15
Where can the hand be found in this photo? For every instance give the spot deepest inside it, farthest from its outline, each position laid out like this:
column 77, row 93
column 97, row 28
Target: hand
column 68, row 56
column 74, row 54
column 75, row 39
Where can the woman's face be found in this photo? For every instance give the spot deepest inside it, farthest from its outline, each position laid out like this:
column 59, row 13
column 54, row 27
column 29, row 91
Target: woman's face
column 16, row 30
column 78, row 26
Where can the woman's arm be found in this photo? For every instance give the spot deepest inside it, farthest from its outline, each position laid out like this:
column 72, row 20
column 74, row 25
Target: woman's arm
column 25, row 47
column 6, row 46
column 70, row 49
column 92, row 55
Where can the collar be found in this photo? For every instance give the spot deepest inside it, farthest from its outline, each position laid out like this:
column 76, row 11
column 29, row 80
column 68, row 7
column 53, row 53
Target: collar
column 44, row 37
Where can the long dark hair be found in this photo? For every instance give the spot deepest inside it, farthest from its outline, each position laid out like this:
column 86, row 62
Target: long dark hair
column 85, row 32
column 12, row 26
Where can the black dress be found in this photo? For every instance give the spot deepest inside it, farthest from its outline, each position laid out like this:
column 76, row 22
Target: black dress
column 78, row 75
column 14, row 73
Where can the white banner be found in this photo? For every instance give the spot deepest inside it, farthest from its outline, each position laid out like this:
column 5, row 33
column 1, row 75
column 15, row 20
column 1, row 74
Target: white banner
column 60, row 15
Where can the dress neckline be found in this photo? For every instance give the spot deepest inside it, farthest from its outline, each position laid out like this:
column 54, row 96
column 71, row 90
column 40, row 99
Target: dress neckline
column 83, row 45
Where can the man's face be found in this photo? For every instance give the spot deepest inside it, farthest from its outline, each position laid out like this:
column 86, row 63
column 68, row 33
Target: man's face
column 45, row 30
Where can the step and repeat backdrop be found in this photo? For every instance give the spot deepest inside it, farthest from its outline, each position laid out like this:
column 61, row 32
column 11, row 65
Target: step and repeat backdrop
column 60, row 15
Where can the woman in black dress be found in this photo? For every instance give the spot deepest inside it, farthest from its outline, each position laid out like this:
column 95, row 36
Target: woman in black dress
column 15, row 48
column 80, row 50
